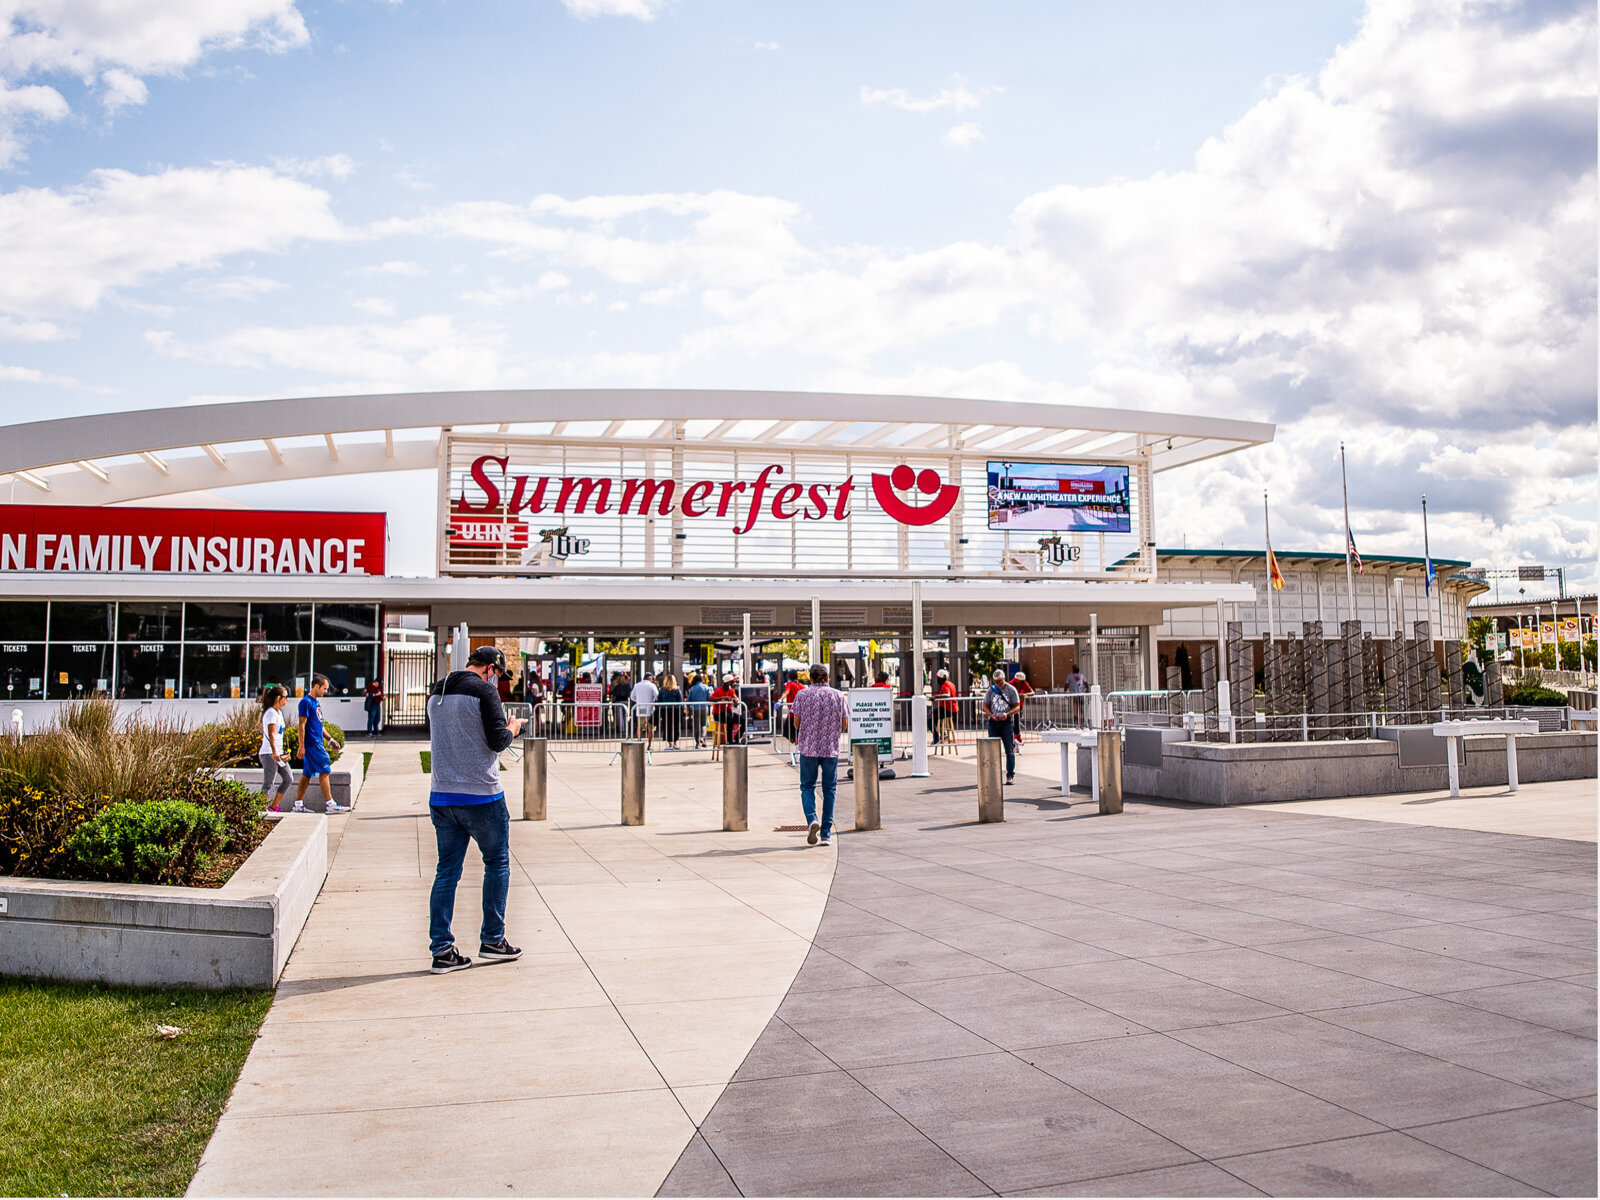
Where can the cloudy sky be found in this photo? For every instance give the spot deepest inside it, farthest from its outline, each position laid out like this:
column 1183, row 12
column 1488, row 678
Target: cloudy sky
column 1373, row 223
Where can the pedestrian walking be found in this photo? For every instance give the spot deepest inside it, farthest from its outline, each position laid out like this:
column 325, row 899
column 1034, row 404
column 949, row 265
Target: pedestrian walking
column 1002, row 704
column 374, row 705
column 944, row 729
column 314, row 760
column 644, row 696
column 820, row 717
column 275, row 773
column 792, row 687
column 669, row 706
column 1075, row 681
column 1024, row 689
column 467, row 730
column 726, row 713
column 698, row 694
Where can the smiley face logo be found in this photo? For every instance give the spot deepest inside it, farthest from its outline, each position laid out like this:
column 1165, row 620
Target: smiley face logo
column 927, row 482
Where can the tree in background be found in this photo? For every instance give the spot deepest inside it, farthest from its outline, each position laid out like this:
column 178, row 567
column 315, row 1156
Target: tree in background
column 983, row 656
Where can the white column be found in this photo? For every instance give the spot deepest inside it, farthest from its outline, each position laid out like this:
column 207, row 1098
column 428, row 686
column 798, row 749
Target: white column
column 919, row 702
column 816, row 629
column 1094, row 649
column 746, row 675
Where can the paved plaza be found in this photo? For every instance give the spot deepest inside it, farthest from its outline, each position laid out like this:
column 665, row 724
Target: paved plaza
column 1390, row 996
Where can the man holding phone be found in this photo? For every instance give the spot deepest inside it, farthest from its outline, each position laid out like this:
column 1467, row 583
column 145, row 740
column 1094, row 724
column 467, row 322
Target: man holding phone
column 467, row 730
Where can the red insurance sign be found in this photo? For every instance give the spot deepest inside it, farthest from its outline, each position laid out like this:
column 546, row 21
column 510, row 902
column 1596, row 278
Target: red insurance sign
column 189, row 541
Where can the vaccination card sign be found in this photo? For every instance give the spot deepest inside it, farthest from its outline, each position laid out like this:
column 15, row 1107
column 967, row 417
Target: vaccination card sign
column 1059, row 497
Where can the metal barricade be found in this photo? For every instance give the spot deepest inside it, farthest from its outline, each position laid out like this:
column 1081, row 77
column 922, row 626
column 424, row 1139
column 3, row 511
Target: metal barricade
column 1151, row 708
column 687, row 726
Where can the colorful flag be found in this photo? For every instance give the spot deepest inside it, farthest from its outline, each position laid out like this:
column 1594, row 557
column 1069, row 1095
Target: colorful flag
column 1272, row 570
column 1428, row 575
column 1355, row 555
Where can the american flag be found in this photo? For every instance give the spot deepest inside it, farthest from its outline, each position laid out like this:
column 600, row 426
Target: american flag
column 1350, row 549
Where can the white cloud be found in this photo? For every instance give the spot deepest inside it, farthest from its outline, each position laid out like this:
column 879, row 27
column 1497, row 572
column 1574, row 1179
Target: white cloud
column 10, row 374
column 396, row 267
column 122, row 89
column 423, row 353
column 768, row 46
column 120, row 43
column 12, row 330
column 333, row 166
column 376, row 306
column 65, row 251
column 963, row 136
column 642, row 10
column 958, row 97
column 553, row 281
column 235, row 287
column 498, row 294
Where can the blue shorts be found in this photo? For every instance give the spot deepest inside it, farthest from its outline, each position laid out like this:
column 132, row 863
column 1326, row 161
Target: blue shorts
column 316, row 763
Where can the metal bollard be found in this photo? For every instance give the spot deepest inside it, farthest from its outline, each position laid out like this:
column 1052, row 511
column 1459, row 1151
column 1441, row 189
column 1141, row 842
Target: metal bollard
column 991, row 797
column 865, row 755
column 735, row 789
column 633, row 783
column 1108, row 769
column 533, row 779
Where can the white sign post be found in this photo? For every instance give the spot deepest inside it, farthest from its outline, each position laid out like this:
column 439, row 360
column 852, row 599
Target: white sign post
column 872, row 720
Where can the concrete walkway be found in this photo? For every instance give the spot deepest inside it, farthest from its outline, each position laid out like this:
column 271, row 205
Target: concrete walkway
column 654, row 958
column 1287, row 999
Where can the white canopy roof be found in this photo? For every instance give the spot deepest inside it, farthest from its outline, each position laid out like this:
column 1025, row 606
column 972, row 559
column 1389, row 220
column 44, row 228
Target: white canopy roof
column 110, row 458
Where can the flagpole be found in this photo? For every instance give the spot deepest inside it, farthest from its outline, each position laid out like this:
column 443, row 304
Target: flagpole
column 1266, row 527
column 1349, row 574
column 1427, row 556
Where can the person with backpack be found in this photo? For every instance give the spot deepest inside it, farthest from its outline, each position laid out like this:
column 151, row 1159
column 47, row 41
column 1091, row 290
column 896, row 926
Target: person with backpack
column 1002, row 704
column 467, row 730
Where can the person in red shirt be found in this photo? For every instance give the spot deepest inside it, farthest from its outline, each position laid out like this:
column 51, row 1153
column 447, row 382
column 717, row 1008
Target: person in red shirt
column 791, row 688
column 725, row 712
column 883, row 681
column 946, row 705
column 1024, row 689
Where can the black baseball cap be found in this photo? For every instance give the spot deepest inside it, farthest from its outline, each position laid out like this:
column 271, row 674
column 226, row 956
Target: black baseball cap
column 488, row 656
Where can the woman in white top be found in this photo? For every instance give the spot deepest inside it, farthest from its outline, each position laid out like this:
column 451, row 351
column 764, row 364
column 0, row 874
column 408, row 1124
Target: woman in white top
column 274, row 765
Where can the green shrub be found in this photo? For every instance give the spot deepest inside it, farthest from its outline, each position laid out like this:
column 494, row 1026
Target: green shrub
column 238, row 804
column 235, row 739
column 152, row 841
column 1536, row 697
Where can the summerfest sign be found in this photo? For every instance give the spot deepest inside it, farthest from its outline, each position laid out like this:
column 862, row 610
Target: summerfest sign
column 493, row 519
column 189, row 541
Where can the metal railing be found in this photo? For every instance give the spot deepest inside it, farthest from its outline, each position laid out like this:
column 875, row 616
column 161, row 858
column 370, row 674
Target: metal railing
column 601, row 726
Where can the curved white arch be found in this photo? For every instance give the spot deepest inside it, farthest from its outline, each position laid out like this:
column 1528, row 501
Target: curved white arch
column 58, row 461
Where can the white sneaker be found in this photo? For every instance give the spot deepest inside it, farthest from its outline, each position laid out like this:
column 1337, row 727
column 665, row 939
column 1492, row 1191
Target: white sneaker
column 333, row 806
column 299, row 806
column 812, row 832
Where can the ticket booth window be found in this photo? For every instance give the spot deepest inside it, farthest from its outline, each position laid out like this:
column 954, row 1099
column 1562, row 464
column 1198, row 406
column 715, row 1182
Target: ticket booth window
column 280, row 622
column 214, row 622
column 347, row 623
column 78, row 670
column 22, row 670
column 349, row 666
column 147, row 670
column 286, row 664
column 213, row 670
column 161, row 621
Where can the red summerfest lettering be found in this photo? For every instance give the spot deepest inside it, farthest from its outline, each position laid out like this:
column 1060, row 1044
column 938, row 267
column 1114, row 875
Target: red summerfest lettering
column 745, row 501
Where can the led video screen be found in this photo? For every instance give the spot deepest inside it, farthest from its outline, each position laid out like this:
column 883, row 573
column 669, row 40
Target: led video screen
column 1059, row 497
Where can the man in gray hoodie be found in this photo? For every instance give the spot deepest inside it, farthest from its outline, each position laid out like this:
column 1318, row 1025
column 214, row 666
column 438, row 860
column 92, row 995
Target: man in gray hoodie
column 467, row 729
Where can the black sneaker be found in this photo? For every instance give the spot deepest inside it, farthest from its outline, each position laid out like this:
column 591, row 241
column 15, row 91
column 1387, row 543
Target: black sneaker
column 501, row 951
column 450, row 960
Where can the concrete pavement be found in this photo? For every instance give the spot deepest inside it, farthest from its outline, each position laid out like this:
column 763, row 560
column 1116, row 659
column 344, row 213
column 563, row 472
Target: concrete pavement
column 1281, row 999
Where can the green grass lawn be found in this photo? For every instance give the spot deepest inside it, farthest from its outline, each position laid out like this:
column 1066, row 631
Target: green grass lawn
column 93, row 1102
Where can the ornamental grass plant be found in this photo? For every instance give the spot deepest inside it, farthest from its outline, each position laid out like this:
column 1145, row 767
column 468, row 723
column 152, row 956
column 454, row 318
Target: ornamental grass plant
column 87, row 761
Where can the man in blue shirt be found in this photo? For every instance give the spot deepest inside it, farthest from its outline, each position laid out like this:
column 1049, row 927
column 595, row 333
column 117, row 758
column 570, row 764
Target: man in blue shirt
column 467, row 730
column 314, row 760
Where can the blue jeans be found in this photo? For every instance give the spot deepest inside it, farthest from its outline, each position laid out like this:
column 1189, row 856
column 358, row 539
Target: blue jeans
column 373, row 715
column 810, row 767
column 453, row 825
column 1006, row 731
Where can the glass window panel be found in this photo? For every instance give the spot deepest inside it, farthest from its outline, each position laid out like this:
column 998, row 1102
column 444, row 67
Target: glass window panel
column 78, row 669
column 280, row 622
column 147, row 670
column 22, row 620
column 158, row 621
column 348, row 665
column 284, row 663
column 347, row 623
column 213, row 623
column 21, row 671
column 213, row 670
column 81, row 621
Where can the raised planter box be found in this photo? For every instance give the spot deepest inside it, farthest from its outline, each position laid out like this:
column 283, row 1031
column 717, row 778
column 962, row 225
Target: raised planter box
column 346, row 782
column 143, row 935
column 1266, row 772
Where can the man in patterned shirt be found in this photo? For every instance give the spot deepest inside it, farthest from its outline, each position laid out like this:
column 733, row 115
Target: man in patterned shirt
column 819, row 714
